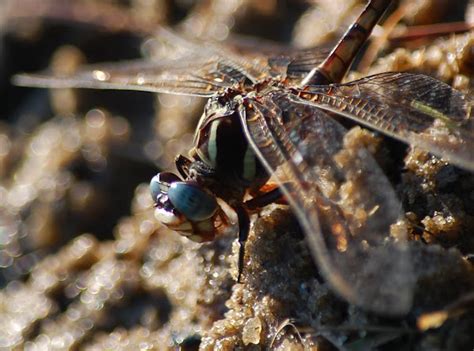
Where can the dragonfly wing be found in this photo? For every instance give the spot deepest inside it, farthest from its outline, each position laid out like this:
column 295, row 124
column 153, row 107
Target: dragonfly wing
column 168, row 44
column 342, row 199
column 304, row 61
column 181, row 66
column 258, row 58
column 188, row 75
column 414, row 108
column 266, row 58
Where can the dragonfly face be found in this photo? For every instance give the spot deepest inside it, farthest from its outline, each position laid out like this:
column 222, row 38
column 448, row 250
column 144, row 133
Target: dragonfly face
column 185, row 207
column 271, row 116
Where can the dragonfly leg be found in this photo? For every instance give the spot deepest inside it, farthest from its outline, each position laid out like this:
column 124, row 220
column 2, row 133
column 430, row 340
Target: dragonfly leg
column 244, row 227
column 264, row 199
column 186, row 167
column 182, row 165
column 255, row 203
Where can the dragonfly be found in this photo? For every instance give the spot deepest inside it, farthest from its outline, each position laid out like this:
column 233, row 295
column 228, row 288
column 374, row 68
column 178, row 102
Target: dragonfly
column 272, row 115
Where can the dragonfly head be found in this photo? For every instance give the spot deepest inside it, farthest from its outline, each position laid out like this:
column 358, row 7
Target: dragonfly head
column 185, row 207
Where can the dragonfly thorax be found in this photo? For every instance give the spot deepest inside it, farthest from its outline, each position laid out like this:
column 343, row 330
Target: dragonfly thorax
column 221, row 145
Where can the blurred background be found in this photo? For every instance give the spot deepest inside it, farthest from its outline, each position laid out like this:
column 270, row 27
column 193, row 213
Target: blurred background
column 83, row 264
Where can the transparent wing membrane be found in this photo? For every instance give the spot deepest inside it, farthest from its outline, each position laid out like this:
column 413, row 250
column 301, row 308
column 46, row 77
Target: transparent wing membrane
column 258, row 58
column 185, row 67
column 414, row 108
column 187, row 76
column 235, row 53
column 341, row 197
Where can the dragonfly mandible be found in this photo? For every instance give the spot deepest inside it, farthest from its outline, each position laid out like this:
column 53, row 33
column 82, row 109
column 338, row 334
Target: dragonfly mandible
column 270, row 115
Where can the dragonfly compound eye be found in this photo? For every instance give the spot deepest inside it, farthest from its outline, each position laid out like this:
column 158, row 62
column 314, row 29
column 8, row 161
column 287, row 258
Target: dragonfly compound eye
column 161, row 183
column 192, row 201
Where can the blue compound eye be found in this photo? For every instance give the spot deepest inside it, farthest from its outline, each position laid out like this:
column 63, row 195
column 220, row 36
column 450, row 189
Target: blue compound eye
column 161, row 183
column 192, row 201
column 155, row 187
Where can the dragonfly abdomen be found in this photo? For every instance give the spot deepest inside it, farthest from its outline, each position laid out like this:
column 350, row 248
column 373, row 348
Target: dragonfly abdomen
column 335, row 66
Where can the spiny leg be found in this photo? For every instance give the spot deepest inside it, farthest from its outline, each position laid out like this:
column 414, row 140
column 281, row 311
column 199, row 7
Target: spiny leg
column 264, row 199
column 244, row 227
column 253, row 204
column 182, row 165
